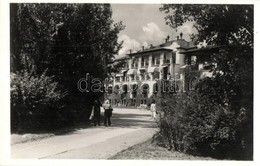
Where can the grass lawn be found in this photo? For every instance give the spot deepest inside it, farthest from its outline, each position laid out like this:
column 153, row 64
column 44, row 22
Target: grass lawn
column 150, row 151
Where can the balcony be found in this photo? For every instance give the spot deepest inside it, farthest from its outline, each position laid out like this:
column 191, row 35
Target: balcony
column 144, row 65
column 166, row 61
column 199, row 67
column 155, row 64
column 134, row 66
column 124, row 67
column 195, row 71
column 117, row 79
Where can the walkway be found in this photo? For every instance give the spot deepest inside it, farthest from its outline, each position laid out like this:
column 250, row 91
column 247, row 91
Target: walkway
column 129, row 127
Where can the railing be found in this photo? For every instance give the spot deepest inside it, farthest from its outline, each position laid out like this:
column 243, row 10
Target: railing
column 132, row 78
column 148, row 77
column 134, row 66
column 166, row 61
column 142, row 77
column 124, row 67
column 200, row 67
column 144, row 65
column 125, row 79
column 155, row 65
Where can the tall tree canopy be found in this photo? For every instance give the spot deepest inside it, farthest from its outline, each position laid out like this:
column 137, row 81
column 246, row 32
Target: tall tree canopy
column 69, row 40
column 53, row 46
column 217, row 24
column 231, row 28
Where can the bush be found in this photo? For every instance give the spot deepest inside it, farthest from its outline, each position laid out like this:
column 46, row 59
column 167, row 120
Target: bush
column 35, row 102
column 217, row 118
column 192, row 123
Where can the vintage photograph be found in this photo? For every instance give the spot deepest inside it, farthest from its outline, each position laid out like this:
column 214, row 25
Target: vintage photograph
column 131, row 81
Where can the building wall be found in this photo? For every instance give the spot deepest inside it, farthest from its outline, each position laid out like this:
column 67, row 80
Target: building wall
column 173, row 67
column 177, row 60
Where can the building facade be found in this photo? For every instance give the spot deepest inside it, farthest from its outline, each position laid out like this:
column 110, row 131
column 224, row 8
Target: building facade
column 136, row 83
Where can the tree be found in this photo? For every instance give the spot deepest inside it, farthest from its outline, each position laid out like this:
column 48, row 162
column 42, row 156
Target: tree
column 232, row 87
column 67, row 41
column 32, row 26
column 217, row 24
column 85, row 42
column 231, row 28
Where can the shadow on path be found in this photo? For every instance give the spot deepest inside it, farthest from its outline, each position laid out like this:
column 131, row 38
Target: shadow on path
column 121, row 118
column 132, row 121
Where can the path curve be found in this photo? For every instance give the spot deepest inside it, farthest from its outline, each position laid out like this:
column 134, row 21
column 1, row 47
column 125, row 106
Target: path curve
column 129, row 127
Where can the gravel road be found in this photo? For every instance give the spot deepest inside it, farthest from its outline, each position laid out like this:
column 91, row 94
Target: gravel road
column 129, row 127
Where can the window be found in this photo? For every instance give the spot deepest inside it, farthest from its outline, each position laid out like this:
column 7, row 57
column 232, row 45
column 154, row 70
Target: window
column 125, row 89
column 124, row 76
column 166, row 58
column 125, row 65
column 153, row 60
column 157, row 61
column 134, row 90
column 174, row 57
column 156, row 75
column 155, row 88
column 134, row 63
column 147, row 63
column 132, row 77
column 145, row 90
column 142, row 76
column 148, row 77
column 110, row 90
column 142, row 61
column 116, row 89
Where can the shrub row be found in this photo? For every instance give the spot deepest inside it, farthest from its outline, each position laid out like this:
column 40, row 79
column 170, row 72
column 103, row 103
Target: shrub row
column 193, row 123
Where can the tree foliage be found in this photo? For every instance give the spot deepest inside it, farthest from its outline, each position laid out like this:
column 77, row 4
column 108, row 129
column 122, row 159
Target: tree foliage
column 35, row 102
column 32, row 26
column 85, row 43
column 41, row 32
column 65, row 42
column 232, row 87
column 195, row 123
column 217, row 24
column 227, row 97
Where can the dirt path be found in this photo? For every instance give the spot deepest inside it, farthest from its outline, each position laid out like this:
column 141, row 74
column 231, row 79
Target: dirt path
column 129, row 127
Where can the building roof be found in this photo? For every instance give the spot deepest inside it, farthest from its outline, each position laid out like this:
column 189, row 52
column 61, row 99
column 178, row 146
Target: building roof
column 162, row 47
column 121, row 58
column 204, row 49
column 167, row 46
column 151, row 50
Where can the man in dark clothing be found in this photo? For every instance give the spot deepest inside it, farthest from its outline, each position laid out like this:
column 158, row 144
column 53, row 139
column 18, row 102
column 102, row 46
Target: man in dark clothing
column 108, row 112
column 97, row 104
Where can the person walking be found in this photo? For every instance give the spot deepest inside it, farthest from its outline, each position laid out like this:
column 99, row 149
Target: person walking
column 96, row 106
column 153, row 110
column 108, row 112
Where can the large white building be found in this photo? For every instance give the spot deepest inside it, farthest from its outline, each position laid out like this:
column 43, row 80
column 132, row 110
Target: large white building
column 142, row 70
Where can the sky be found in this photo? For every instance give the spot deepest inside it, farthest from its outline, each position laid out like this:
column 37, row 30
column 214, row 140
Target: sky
column 145, row 25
